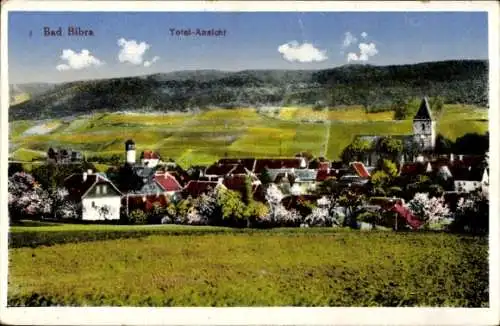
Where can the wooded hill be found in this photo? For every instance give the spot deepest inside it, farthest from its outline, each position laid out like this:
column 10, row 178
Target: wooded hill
column 375, row 87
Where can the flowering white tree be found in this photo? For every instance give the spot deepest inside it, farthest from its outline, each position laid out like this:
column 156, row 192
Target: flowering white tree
column 26, row 197
column 318, row 217
column 195, row 218
column 273, row 195
column 278, row 213
column 69, row 210
column 432, row 211
column 206, row 204
column 296, row 190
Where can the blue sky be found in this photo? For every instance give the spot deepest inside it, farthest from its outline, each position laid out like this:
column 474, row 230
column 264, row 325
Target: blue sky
column 285, row 40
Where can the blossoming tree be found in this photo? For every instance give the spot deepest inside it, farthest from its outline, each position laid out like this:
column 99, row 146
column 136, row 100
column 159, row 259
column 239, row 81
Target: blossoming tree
column 433, row 211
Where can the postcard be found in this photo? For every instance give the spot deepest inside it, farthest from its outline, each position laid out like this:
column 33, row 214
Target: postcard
column 249, row 163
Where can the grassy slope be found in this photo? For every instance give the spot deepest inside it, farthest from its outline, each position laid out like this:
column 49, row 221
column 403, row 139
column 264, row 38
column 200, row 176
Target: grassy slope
column 256, row 269
column 205, row 137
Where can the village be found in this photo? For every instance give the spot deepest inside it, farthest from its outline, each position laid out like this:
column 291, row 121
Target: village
column 376, row 176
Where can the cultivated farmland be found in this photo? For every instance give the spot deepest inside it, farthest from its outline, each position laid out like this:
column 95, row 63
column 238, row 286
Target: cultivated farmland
column 201, row 138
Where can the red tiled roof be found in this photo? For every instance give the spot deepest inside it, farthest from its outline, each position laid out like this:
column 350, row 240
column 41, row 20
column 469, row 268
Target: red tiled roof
column 412, row 168
column 148, row 155
column 220, row 169
column 248, row 163
column 319, row 163
column 181, row 176
column 194, row 188
column 240, row 169
column 360, row 169
column 284, row 163
column 237, row 183
column 167, row 182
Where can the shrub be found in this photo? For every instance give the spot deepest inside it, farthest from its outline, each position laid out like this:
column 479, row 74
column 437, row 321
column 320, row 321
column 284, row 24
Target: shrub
column 138, row 217
column 195, row 218
column 436, row 190
column 305, row 207
column 395, row 191
column 182, row 209
column 369, row 217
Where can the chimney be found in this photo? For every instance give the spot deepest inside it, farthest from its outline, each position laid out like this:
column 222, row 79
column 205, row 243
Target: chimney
column 452, row 158
column 460, row 157
column 84, row 176
column 89, row 171
column 220, row 180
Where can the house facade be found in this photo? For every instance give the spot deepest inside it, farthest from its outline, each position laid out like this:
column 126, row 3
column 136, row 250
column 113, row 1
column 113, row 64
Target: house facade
column 100, row 199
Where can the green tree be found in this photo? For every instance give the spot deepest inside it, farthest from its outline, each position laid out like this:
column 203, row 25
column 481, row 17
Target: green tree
column 390, row 168
column 437, row 104
column 351, row 201
column 401, row 109
column 379, row 179
column 443, row 145
column 255, row 212
column 390, row 147
column 356, row 150
column 247, row 193
column 231, row 207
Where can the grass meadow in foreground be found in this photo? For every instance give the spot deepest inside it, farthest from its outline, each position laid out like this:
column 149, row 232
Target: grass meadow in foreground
column 317, row 267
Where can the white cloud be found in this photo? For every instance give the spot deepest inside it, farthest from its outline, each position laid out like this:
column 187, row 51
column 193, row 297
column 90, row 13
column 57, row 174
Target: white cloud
column 365, row 52
column 131, row 51
column 305, row 52
column 149, row 63
column 77, row 61
column 352, row 57
column 364, row 35
column 348, row 40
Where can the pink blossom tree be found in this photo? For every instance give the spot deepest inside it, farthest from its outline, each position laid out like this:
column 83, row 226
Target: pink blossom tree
column 433, row 211
column 26, row 197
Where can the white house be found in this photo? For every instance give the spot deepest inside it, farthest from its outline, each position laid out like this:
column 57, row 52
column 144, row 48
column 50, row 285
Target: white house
column 471, row 179
column 99, row 198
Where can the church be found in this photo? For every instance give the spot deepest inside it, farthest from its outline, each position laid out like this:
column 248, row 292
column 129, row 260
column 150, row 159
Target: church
column 423, row 139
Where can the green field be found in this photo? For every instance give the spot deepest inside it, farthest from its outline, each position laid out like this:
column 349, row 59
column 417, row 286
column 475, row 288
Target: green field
column 207, row 266
column 204, row 137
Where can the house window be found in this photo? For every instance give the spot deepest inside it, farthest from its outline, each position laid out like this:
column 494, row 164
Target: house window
column 98, row 190
column 104, row 189
column 93, row 204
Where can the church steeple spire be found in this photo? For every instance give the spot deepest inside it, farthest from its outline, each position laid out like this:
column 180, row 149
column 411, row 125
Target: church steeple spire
column 424, row 112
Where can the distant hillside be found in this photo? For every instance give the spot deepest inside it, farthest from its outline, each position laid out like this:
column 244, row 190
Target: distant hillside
column 458, row 81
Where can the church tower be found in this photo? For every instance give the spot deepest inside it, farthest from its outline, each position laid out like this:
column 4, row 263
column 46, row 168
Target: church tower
column 130, row 151
column 424, row 127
